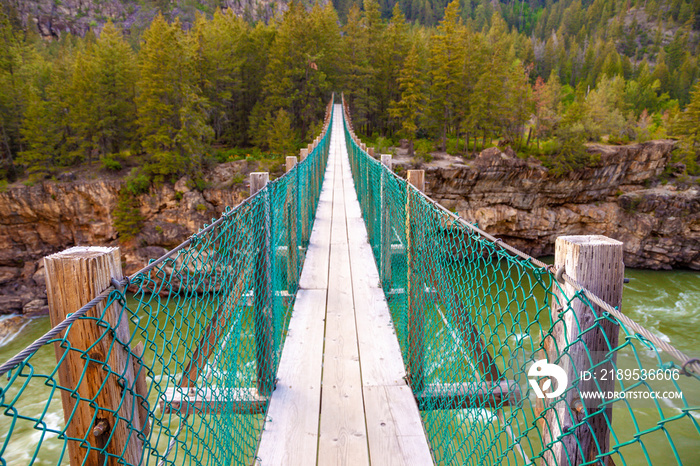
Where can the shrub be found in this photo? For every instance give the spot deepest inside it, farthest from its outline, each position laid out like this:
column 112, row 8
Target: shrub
column 110, row 163
column 422, row 148
column 237, row 179
column 127, row 216
column 137, row 182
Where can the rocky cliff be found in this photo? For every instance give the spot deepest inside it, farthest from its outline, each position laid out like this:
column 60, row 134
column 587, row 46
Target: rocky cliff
column 517, row 200
column 619, row 197
column 52, row 18
column 39, row 220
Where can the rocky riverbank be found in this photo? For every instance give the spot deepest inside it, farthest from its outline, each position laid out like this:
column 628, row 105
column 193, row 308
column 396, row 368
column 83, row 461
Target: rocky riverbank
column 514, row 199
column 620, row 197
column 53, row 215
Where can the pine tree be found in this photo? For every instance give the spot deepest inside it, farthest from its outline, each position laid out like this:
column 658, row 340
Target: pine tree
column 408, row 110
column 356, row 67
column 220, row 57
column 396, row 49
column 41, row 135
column 688, row 127
column 171, row 110
column 446, row 58
column 281, row 137
column 301, row 70
column 102, row 92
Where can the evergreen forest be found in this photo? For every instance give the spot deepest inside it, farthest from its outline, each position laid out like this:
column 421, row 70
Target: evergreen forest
column 541, row 77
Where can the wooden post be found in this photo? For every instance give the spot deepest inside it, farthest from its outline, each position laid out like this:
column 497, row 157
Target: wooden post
column 290, row 161
column 385, row 226
column 262, row 303
column 595, row 262
column 414, row 293
column 302, row 154
column 370, row 151
column 291, row 225
column 417, row 179
column 94, row 366
column 258, row 180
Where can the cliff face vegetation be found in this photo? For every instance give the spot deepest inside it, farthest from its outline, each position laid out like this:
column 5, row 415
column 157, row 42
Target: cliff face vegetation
column 45, row 218
column 526, row 206
column 514, row 199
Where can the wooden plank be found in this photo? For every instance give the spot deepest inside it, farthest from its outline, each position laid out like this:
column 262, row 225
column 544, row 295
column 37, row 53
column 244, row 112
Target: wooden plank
column 394, row 429
column 342, row 435
column 382, row 432
column 209, row 400
column 379, row 347
column 314, row 274
column 469, row 395
column 141, row 386
column 291, row 434
column 361, row 389
column 343, row 438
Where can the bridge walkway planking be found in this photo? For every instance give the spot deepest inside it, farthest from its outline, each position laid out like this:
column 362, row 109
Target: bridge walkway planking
column 341, row 396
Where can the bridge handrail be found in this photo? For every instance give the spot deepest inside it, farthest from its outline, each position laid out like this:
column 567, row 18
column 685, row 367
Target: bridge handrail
column 482, row 294
column 192, row 311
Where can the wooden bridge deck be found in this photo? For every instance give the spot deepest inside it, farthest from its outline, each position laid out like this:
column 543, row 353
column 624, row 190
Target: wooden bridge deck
column 341, row 396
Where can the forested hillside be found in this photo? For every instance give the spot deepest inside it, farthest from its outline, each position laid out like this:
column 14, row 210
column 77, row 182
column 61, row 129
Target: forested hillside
column 540, row 78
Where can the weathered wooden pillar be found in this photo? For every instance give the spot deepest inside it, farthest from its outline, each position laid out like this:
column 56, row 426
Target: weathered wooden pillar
column 290, row 162
column 414, row 292
column 595, row 262
column 292, row 231
column 385, row 226
column 301, row 189
column 263, row 321
column 258, row 180
column 93, row 367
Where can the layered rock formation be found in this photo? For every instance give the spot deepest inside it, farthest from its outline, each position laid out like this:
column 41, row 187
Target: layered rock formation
column 510, row 198
column 39, row 220
column 528, row 207
column 53, row 18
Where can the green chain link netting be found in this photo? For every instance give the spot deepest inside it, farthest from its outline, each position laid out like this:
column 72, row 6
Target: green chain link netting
column 472, row 318
column 206, row 330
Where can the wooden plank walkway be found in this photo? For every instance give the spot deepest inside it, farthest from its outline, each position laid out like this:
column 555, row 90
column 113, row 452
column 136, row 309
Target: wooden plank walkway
column 341, row 396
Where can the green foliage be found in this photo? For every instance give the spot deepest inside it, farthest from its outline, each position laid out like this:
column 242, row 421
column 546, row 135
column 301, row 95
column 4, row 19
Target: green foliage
column 280, row 136
column 301, row 68
column 687, row 126
column 137, row 183
column 171, row 110
column 110, row 163
column 198, row 183
column 128, row 221
column 472, row 72
column 568, row 154
column 423, row 149
column 238, row 179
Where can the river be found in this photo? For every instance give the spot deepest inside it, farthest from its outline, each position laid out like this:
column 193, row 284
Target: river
column 666, row 302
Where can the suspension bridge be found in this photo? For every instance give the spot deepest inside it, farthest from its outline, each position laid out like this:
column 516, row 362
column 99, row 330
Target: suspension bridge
column 340, row 316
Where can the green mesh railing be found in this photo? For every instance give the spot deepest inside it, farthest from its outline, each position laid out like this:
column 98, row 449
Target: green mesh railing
column 472, row 316
column 206, row 327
